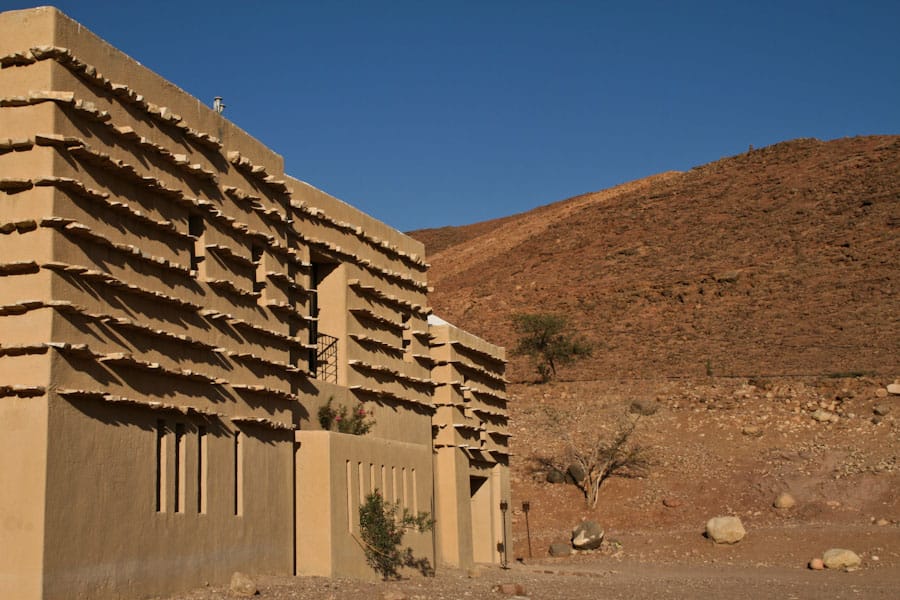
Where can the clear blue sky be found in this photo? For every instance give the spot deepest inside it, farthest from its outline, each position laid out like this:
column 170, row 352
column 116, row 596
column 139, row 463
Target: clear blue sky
column 426, row 114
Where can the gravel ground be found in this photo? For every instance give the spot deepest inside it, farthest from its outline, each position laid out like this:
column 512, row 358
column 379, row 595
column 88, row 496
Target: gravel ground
column 588, row 580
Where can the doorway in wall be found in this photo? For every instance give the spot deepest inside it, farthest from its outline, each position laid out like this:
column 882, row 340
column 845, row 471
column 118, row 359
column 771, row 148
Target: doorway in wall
column 482, row 527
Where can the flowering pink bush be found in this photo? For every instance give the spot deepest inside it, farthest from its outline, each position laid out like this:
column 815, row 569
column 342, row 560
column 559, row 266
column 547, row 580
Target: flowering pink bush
column 342, row 420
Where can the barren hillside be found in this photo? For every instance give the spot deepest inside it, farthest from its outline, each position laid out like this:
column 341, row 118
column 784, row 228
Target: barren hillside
column 781, row 261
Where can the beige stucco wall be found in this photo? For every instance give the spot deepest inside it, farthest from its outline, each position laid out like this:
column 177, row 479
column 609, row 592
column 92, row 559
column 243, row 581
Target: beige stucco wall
column 335, row 472
column 104, row 536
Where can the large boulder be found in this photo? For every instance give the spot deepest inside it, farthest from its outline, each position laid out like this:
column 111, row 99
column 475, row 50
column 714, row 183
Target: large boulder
column 840, row 558
column 725, row 530
column 587, row 535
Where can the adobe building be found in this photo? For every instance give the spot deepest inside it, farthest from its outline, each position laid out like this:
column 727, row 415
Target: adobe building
column 174, row 312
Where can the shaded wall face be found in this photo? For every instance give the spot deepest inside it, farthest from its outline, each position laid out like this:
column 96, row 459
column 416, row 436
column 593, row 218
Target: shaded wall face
column 141, row 500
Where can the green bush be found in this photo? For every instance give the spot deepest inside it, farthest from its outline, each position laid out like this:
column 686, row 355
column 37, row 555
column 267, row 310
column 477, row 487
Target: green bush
column 382, row 525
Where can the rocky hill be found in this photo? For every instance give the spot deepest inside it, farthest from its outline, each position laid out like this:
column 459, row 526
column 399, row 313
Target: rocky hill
column 783, row 261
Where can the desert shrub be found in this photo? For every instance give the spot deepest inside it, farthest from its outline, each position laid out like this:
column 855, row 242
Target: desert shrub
column 382, row 526
column 596, row 456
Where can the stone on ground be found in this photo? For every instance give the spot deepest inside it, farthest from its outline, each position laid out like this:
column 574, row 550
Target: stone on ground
column 816, row 564
column 587, row 535
column 784, row 500
column 840, row 558
column 243, row 585
column 511, row 589
column 725, row 530
column 894, row 389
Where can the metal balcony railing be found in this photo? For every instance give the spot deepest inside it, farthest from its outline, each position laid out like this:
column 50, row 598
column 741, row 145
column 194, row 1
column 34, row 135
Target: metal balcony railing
column 326, row 358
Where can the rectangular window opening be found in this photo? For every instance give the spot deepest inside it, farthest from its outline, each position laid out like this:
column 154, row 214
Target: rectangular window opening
column 179, row 467
column 160, row 466
column 349, row 497
column 405, row 488
column 196, row 229
column 202, row 469
column 259, row 274
column 415, row 493
column 238, row 474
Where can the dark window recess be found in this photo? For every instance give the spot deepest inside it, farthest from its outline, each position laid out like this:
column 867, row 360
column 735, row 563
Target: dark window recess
column 196, row 229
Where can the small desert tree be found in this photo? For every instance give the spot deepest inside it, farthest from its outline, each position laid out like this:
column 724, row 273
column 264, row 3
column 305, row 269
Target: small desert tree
column 596, row 456
column 382, row 525
column 546, row 338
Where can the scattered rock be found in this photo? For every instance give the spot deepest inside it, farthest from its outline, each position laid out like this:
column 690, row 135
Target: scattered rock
column 881, row 393
column 587, row 535
column 881, row 409
column 725, row 530
column 840, row 558
column 671, row 502
column 824, row 416
column 510, row 589
column 894, row 389
column 816, row 564
column 556, row 476
column 644, row 407
column 752, row 431
column 784, row 500
column 243, row 585
column 882, row 522
column 560, row 549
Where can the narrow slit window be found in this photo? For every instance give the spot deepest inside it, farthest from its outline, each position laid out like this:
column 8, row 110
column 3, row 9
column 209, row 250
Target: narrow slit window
column 372, row 487
column 238, row 474
column 202, row 469
column 415, row 494
column 405, row 488
column 394, row 495
column 179, row 467
column 349, row 497
column 160, row 466
column 361, row 479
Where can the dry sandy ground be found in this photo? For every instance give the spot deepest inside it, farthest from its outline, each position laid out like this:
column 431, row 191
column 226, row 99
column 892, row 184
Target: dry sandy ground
column 591, row 579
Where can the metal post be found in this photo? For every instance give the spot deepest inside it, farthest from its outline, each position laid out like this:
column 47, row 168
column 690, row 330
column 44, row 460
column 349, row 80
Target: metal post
column 526, row 506
column 504, row 506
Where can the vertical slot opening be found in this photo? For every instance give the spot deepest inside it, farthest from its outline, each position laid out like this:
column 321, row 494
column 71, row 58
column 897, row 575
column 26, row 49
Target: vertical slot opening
column 160, row 466
column 349, row 497
column 179, row 467
column 415, row 494
column 202, row 468
column 238, row 474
